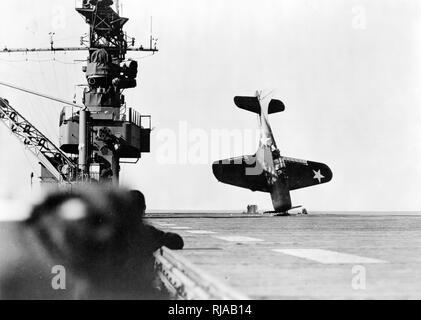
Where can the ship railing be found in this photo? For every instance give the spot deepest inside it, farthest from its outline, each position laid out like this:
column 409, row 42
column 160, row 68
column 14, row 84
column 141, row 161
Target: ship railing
column 142, row 121
column 124, row 114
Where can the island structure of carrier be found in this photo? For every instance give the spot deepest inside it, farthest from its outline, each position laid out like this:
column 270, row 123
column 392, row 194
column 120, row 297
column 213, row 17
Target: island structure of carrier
column 94, row 136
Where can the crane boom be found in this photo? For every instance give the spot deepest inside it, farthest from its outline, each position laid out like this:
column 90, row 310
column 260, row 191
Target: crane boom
column 41, row 95
column 95, row 138
column 51, row 157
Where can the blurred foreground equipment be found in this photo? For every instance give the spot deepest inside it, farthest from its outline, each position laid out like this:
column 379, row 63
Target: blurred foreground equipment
column 100, row 239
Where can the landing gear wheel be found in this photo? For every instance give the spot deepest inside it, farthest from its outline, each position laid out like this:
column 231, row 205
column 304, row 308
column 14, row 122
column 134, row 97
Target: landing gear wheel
column 281, row 214
column 304, row 211
column 277, row 214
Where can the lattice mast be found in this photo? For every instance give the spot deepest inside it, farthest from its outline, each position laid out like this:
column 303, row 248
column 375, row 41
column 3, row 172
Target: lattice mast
column 108, row 74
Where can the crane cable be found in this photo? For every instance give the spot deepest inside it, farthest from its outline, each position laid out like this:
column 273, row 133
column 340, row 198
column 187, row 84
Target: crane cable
column 42, row 95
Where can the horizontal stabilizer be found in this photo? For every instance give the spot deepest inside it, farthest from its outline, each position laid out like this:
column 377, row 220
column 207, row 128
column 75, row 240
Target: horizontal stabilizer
column 252, row 104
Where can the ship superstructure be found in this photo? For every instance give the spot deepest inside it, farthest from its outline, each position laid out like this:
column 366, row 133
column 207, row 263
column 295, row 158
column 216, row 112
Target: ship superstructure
column 97, row 134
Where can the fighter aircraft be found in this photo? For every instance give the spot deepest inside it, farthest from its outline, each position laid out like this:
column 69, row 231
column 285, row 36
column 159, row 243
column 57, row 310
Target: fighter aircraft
column 268, row 170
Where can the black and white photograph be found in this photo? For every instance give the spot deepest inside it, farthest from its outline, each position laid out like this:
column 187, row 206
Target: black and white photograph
column 210, row 150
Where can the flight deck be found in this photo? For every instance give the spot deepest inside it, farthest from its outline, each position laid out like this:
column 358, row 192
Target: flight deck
column 239, row 256
column 316, row 256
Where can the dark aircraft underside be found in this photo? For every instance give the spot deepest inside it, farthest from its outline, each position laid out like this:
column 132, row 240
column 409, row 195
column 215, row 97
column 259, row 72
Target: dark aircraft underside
column 241, row 172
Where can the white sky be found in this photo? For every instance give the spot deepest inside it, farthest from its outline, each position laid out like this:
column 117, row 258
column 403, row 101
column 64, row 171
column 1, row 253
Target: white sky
column 348, row 72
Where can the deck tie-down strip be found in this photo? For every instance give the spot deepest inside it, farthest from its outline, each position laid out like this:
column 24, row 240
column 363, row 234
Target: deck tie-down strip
column 186, row 281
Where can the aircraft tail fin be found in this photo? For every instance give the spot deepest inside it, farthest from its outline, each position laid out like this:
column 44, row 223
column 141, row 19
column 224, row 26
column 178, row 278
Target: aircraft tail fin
column 252, row 104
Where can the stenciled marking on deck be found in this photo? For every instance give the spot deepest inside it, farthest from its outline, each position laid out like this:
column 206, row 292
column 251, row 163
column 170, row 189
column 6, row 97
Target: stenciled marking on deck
column 238, row 239
column 179, row 228
column 328, row 256
column 200, row 232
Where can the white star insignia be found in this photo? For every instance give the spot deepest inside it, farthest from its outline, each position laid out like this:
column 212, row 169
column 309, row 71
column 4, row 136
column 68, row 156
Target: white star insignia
column 318, row 176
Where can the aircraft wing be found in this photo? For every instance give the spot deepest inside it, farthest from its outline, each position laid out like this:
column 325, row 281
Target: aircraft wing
column 304, row 173
column 242, row 172
column 245, row 172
